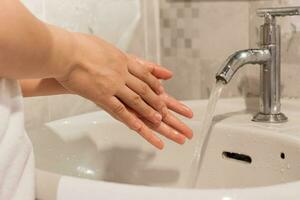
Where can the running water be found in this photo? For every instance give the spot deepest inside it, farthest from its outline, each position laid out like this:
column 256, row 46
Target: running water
column 202, row 143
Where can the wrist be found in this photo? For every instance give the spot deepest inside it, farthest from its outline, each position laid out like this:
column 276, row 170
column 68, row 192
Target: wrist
column 63, row 52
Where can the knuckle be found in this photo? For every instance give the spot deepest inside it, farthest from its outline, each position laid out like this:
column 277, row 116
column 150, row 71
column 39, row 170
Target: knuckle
column 156, row 83
column 144, row 89
column 158, row 103
column 136, row 100
column 167, row 117
column 140, row 129
column 119, row 109
column 151, row 114
column 148, row 112
column 145, row 75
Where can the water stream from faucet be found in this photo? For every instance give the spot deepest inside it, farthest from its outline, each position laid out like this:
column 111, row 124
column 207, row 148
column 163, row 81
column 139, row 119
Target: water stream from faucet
column 202, row 143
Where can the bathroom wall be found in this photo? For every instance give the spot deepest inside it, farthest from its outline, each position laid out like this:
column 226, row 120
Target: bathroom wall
column 133, row 28
column 198, row 35
column 290, row 27
column 196, row 38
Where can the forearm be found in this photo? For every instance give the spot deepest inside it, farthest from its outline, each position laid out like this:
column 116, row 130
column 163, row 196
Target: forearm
column 42, row 87
column 26, row 44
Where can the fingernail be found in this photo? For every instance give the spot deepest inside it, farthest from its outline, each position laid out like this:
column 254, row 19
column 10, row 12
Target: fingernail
column 158, row 117
column 179, row 137
column 186, row 108
column 190, row 135
column 160, row 145
column 182, row 141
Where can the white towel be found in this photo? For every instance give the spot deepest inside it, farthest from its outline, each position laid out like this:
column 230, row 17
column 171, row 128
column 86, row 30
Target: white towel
column 16, row 155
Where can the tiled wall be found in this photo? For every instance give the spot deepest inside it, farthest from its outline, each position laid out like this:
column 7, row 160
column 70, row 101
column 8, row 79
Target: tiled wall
column 132, row 29
column 290, row 27
column 198, row 35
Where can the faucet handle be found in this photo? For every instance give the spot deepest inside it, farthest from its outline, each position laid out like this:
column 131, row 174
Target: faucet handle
column 278, row 12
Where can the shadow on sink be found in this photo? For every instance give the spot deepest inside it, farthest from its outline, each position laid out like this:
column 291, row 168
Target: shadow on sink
column 131, row 166
column 83, row 158
column 251, row 105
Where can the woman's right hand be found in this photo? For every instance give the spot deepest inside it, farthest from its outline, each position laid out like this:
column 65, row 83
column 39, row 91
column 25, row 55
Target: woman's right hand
column 83, row 64
column 115, row 81
column 124, row 87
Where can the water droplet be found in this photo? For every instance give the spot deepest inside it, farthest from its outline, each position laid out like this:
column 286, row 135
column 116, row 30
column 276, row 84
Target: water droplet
column 66, row 122
column 288, row 166
column 282, row 170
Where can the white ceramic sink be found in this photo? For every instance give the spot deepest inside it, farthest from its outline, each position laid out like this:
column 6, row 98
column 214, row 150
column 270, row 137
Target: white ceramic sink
column 244, row 160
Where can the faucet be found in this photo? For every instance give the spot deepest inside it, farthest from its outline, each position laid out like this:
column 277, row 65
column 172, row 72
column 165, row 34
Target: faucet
column 268, row 56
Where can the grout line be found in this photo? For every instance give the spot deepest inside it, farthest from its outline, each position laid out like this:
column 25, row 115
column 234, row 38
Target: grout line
column 145, row 20
column 158, row 31
column 44, row 9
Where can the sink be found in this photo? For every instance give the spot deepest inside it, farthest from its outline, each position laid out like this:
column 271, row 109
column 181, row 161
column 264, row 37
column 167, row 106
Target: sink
column 243, row 157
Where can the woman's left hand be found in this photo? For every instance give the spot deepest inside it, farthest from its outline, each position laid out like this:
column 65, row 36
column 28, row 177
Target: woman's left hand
column 171, row 127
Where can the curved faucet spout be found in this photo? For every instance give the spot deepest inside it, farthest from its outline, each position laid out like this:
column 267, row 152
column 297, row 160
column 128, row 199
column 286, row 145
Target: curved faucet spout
column 241, row 58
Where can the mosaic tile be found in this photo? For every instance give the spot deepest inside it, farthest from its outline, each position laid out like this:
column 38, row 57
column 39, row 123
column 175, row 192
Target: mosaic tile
column 188, row 29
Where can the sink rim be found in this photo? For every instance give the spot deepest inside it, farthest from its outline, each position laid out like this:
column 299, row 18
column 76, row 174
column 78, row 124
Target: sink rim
column 285, row 189
column 276, row 192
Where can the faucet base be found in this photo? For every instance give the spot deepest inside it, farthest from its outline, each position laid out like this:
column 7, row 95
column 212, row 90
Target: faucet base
column 277, row 118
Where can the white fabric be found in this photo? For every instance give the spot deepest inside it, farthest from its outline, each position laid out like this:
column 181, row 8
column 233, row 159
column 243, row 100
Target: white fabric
column 16, row 155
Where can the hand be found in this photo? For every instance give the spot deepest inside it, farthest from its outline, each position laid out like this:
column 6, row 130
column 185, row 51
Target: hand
column 164, row 74
column 171, row 127
column 115, row 82
column 122, row 86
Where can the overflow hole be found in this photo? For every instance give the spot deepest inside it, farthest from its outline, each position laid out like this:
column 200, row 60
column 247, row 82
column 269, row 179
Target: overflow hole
column 236, row 156
column 282, row 155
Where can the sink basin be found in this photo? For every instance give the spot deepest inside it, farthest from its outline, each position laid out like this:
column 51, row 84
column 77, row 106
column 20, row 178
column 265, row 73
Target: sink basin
column 244, row 159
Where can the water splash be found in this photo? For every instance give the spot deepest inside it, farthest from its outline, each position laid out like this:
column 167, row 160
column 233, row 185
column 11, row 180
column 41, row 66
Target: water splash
column 201, row 145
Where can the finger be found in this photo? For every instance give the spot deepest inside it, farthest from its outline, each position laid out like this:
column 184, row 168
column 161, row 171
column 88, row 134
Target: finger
column 150, row 136
column 142, row 89
column 136, row 103
column 168, row 132
column 157, row 70
column 177, row 106
column 178, row 125
column 164, row 130
column 142, row 72
column 120, row 112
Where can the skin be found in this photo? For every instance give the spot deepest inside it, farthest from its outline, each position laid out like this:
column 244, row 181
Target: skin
column 49, row 60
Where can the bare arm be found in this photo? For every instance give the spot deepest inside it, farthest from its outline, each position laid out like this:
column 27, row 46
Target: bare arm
column 42, row 87
column 26, row 44
column 88, row 66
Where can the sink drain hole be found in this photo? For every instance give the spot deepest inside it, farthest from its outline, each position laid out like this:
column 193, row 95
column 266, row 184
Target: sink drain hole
column 236, row 156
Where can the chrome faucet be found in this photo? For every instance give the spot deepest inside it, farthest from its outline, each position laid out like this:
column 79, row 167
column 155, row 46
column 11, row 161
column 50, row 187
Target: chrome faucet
column 269, row 58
